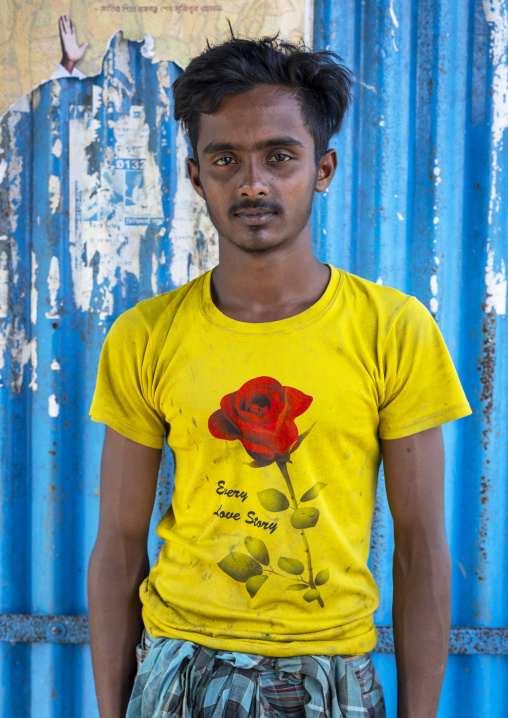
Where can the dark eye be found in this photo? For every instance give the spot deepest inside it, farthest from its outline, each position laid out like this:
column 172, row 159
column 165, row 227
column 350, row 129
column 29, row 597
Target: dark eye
column 224, row 161
column 280, row 157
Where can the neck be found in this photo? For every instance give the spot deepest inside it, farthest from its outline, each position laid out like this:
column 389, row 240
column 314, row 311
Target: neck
column 267, row 286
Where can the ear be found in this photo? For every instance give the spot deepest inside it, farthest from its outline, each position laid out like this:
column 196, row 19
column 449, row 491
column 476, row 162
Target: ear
column 193, row 172
column 326, row 170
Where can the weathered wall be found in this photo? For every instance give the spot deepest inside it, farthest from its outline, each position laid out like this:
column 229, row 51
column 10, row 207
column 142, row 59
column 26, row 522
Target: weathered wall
column 420, row 203
column 96, row 213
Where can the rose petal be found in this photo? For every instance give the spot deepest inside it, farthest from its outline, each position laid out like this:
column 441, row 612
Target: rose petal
column 221, row 428
column 285, row 434
column 258, row 452
column 296, row 401
column 249, row 390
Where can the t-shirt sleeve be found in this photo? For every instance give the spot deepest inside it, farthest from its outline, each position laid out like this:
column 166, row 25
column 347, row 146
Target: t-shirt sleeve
column 421, row 386
column 123, row 393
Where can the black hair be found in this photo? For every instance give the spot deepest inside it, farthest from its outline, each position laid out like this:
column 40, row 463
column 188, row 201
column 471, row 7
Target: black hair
column 323, row 84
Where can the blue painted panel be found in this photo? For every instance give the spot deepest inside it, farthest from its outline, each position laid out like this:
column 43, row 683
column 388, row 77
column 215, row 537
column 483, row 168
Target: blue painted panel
column 72, row 257
column 420, row 203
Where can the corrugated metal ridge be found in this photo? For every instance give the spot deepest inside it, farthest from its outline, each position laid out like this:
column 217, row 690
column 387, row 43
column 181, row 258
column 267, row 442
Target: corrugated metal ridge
column 21, row 628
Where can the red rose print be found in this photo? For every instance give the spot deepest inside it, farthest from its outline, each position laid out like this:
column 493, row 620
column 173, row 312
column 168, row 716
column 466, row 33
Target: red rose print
column 261, row 415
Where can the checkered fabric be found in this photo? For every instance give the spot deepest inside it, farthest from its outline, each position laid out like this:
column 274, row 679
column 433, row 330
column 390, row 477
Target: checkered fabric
column 180, row 679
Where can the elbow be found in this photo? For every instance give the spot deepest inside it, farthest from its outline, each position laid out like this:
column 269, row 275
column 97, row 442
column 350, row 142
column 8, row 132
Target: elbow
column 425, row 557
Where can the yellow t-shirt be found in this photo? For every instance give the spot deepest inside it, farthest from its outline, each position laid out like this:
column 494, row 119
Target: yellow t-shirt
column 275, row 429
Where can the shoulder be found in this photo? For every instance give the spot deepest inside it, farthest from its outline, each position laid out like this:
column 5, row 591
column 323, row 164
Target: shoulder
column 379, row 305
column 151, row 315
column 379, row 296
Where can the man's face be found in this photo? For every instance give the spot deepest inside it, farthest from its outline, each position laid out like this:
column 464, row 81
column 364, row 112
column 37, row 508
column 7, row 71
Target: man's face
column 257, row 169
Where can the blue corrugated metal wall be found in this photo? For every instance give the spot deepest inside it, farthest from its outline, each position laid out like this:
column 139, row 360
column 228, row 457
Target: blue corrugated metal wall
column 79, row 243
column 92, row 218
column 421, row 204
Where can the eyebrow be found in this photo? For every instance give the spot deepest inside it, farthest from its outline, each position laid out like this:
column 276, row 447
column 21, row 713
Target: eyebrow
column 213, row 147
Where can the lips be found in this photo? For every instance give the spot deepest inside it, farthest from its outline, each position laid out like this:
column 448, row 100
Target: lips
column 254, row 216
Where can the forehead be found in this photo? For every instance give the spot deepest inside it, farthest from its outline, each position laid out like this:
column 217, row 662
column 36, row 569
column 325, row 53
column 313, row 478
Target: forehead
column 265, row 111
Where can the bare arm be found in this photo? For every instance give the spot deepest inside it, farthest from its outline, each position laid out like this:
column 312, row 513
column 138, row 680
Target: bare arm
column 414, row 474
column 118, row 565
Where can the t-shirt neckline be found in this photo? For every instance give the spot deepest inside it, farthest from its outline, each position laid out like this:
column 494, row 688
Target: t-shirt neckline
column 298, row 321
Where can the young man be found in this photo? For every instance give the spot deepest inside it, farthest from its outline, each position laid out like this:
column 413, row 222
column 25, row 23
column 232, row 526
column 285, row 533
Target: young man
column 278, row 382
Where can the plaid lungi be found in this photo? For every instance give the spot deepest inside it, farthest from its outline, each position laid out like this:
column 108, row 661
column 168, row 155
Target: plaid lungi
column 180, row 679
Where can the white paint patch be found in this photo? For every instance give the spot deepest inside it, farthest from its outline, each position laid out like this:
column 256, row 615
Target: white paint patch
column 496, row 15
column 53, row 406
column 393, row 42
column 462, row 569
column 55, row 366
column 114, row 90
column 57, row 148
column 379, row 280
column 193, row 236
column 55, row 195
column 436, row 220
column 433, row 284
column 33, row 360
column 392, row 15
column 308, row 22
column 437, row 260
column 148, row 47
column 53, row 286
column 400, row 217
column 14, row 172
column 436, row 170
column 3, row 169
column 21, row 105
column 109, row 215
column 34, row 294
column 496, row 286
column 324, row 231
column 18, row 350
column 434, row 305
column 4, row 285
column 155, row 266
column 163, row 110
column 367, row 87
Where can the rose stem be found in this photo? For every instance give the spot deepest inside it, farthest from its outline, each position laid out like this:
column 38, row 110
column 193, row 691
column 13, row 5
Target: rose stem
column 284, row 471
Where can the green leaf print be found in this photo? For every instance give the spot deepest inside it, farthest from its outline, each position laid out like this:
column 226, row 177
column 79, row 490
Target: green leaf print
column 311, row 595
column 304, row 518
column 304, row 435
column 322, row 577
column 291, row 565
column 240, row 566
column 297, row 587
column 257, row 550
column 254, row 583
column 273, row 500
column 312, row 493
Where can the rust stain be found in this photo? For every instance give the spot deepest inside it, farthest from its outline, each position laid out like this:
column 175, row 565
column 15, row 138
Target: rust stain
column 486, row 367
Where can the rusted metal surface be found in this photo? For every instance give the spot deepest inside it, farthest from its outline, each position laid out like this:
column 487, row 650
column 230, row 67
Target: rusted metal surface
column 74, row 629
column 44, row 629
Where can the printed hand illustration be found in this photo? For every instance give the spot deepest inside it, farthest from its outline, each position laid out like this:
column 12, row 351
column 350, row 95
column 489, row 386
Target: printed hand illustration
column 71, row 51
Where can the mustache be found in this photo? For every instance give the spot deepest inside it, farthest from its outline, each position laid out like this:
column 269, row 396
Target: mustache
column 249, row 204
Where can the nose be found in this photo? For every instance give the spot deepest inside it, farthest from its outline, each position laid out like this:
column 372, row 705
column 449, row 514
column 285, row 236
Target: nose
column 252, row 184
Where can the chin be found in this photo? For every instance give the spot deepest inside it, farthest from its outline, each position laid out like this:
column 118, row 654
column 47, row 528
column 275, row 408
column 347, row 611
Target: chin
column 256, row 244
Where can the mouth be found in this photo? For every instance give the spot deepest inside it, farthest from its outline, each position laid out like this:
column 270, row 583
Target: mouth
column 254, row 216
